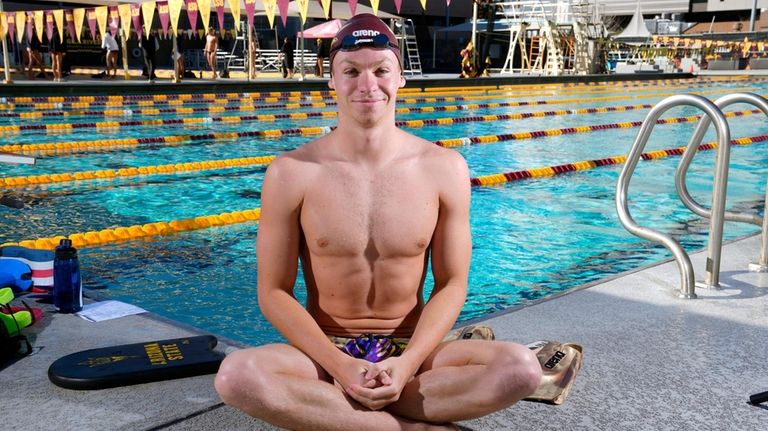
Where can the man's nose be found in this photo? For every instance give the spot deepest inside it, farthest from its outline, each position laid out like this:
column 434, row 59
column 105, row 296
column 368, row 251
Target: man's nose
column 366, row 81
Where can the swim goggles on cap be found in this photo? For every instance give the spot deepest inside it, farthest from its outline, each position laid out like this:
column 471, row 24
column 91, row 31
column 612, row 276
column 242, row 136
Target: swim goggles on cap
column 352, row 43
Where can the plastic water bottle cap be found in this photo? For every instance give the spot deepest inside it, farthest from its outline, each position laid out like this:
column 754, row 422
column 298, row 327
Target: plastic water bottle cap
column 66, row 242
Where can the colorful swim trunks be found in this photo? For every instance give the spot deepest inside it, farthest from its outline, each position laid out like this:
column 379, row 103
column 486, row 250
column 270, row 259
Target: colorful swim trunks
column 371, row 347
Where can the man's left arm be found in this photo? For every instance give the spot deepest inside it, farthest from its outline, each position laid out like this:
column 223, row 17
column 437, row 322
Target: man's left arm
column 451, row 252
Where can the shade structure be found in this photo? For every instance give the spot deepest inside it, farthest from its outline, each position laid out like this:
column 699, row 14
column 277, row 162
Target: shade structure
column 326, row 30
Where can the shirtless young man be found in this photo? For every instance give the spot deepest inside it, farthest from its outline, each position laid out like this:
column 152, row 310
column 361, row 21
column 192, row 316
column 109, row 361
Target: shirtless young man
column 211, row 46
column 363, row 208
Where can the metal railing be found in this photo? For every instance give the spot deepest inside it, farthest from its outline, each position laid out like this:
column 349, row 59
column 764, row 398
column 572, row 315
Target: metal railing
column 715, row 244
column 687, row 288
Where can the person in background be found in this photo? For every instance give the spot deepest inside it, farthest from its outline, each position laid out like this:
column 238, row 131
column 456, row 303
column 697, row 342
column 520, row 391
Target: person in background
column 58, row 49
column 33, row 56
column 287, row 52
column 467, row 61
column 110, row 44
column 150, row 45
column 211, row 46
column 322, row 54
column 366, row 209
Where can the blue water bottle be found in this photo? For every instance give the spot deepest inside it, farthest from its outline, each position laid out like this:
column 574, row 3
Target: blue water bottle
column 67, row 289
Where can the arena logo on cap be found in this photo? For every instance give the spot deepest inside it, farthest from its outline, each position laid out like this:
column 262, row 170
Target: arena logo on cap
column 358, row 33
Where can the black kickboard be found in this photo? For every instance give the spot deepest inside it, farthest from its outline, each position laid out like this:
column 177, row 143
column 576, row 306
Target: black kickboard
column 130, row 364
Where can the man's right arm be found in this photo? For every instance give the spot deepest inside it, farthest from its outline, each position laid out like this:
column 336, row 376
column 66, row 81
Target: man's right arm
column 277, row 250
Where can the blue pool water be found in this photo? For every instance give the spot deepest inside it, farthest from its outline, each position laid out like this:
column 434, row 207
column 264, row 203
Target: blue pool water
column 531, row 238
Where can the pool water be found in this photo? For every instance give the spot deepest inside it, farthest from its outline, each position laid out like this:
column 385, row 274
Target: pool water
column 531, row 238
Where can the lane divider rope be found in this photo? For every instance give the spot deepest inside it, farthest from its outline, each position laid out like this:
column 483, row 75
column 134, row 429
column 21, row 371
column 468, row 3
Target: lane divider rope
column 229, row 98
column 249, row 161
column 119, row 234
column 59, row 147
column 64, row 127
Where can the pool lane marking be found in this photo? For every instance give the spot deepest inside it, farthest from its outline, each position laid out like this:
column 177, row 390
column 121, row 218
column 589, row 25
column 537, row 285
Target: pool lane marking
column 58, row 147
column 120, row 234
column 272, row 94
column 111, row 125
column 549, row 171
column 506, row 91
column 325, row 114
column 260, row 160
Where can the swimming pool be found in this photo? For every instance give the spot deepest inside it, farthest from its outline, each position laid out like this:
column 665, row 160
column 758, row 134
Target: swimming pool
column 531, row 238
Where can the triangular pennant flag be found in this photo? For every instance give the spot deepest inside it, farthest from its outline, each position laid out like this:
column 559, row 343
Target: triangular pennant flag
column 375, row 6
column 424, row 4
column 10, row 18
column 21, row 22
column 303, row 6
column 4, row 26
column 148, row 13
column 326, row 4
column 39, row 24
column 234, row 7
column 399, row 3
column 353, row 7
column 164, row 14
column 269, row 10
column 174, row 9
column 29, row 25
column 250, row 9
column 192, row 14
column 114, row 19
column 58, row 18
column 204, row 6
column 136, row 18
column 125, row 18
column 219, row 5
column 282, row 7
column 101, row 18
column 49, row 24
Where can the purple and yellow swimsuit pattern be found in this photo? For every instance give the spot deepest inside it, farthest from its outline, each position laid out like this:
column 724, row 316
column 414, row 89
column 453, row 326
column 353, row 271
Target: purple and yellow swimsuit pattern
column 371, row 347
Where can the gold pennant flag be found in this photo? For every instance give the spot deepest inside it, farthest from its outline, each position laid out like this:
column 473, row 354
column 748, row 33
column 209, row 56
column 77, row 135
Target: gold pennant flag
column 708, row 43
column 102, row 13
column 424, row 4
column 39, row 23
column 125, row 18
column 326, row 4
column 303, row 5
column 148, row 12
column 174, row 8
column 234, row 7
column 270, row 6
column 3, row 25
column 58, row 17
column 761, row 46
column 21, row 22
column 375, row 6
column 78, row 15
column 204, row 7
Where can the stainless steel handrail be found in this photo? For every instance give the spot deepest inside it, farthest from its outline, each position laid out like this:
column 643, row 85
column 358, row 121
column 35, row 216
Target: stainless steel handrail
column 687, row 288
column 713, row 250
column 762, row 264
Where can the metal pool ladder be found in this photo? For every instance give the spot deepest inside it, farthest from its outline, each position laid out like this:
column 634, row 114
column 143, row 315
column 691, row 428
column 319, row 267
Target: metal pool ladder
column 717, row 213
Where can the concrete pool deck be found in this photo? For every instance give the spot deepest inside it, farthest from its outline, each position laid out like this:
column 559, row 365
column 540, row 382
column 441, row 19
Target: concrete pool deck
column 652, row 361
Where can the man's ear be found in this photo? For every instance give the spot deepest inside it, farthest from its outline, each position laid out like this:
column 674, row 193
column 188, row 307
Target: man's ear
column 402, row 81
column 331, row 84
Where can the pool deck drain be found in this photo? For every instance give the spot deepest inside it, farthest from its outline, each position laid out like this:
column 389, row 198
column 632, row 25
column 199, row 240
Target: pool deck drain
column 652, row 362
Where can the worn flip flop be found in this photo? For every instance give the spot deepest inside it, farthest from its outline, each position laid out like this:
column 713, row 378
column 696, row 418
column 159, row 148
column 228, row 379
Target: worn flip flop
column 560, row 363
column 471, row 332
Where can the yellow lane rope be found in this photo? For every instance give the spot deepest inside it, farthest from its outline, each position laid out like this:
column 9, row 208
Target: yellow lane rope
column 119, row 234
column 261, row 160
